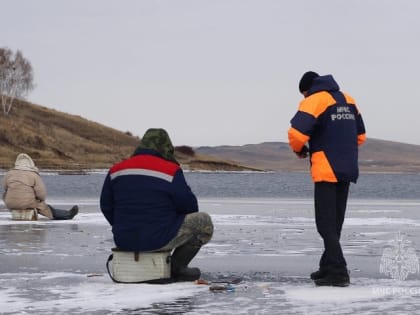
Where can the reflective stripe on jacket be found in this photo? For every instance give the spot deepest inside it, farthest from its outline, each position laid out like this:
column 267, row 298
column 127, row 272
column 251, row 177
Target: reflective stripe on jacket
column 332, row 124
column 145, row 198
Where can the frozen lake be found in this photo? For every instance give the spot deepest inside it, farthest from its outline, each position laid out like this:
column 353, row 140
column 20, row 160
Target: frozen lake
column 49, row 267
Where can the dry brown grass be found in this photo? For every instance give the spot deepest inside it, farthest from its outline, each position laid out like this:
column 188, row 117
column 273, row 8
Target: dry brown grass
column 57, row 140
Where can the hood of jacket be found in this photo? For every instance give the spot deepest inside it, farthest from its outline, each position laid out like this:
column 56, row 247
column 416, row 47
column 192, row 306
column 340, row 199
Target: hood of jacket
column 323, row 83
column 158, row 140
column 25, row 163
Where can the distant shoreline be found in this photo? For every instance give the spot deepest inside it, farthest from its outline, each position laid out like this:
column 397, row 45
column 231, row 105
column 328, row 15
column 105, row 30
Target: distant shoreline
column 104, row 171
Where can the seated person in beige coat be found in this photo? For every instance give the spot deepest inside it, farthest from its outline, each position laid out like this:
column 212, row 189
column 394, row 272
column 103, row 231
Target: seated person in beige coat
column 24, row 189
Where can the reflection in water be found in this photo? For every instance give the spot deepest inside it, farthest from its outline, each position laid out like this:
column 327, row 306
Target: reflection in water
column 21, row 237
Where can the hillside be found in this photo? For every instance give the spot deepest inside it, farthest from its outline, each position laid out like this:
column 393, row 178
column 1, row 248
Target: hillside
column 57, row 140
column 375, row 156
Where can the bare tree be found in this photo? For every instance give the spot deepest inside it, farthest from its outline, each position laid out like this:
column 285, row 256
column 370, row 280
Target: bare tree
column 16, row 77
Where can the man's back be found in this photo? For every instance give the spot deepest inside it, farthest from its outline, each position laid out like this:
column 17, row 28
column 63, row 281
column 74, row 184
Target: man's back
column 330, row 121
column 145, row 198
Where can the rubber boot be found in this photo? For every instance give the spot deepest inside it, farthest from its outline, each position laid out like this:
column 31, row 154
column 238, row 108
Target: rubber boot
column 179, row 263
column 60, row 214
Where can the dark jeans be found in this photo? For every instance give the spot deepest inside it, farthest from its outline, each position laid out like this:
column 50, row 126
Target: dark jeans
column 330, row 209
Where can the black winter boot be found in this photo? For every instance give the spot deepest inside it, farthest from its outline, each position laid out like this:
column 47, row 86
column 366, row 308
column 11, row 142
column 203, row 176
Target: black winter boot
column 60, row 214
column 318, row 274
column 179, row 263
column 334, row 277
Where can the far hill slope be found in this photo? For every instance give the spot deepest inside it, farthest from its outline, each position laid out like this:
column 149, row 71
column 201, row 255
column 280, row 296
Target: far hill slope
column 57, row 140
column 375, row 155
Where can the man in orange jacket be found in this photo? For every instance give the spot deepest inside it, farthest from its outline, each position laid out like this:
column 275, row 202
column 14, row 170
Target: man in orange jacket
column 330, row 122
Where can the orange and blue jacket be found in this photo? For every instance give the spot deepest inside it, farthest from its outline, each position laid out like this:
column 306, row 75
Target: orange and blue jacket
column 331, row 123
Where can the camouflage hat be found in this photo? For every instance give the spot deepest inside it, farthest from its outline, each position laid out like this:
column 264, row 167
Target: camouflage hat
column 158, row 140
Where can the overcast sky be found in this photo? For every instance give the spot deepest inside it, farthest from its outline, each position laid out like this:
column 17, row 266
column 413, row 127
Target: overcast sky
column 215, row 72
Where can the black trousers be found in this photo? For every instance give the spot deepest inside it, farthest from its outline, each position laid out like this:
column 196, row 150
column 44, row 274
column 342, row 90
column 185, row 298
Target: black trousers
column 330, row 209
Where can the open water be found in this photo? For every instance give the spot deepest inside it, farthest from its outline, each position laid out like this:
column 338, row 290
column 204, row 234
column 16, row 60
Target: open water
column 247, row 185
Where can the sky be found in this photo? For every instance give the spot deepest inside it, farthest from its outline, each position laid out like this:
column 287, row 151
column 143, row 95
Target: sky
column 218, row 72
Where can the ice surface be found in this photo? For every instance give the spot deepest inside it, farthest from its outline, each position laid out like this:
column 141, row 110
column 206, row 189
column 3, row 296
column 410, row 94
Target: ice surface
column 59, row 293
column 52, row 267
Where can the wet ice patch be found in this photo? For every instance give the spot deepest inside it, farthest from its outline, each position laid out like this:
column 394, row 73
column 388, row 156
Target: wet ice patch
column 79, row 293
column 370, row 211
column 228, row 219
column 381, row 221
column 312, row 294
column 367, row 296
column 81, row 218
column 253, row 220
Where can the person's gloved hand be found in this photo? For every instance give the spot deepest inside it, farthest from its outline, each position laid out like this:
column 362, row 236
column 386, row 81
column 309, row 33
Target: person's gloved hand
column 303, row 153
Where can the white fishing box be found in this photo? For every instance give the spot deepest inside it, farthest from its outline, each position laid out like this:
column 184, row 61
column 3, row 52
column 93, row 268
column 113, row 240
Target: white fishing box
column 140, row 266
column 24, row 215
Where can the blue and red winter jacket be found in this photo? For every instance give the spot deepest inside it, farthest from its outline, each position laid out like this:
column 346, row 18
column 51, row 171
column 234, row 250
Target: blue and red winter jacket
column 145, row 199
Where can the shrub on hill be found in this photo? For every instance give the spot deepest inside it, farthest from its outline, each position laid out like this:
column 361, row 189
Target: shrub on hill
column 184, row 149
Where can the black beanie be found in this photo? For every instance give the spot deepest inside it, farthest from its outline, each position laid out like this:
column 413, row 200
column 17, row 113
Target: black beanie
column 306, row 81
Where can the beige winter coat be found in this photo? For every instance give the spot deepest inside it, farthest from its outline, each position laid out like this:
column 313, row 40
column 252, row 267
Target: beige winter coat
column 23, row 189
column 23, row 186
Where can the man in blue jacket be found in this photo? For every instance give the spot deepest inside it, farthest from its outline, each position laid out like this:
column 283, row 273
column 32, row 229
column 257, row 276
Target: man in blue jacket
column 151, row 208
column 331, row 123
